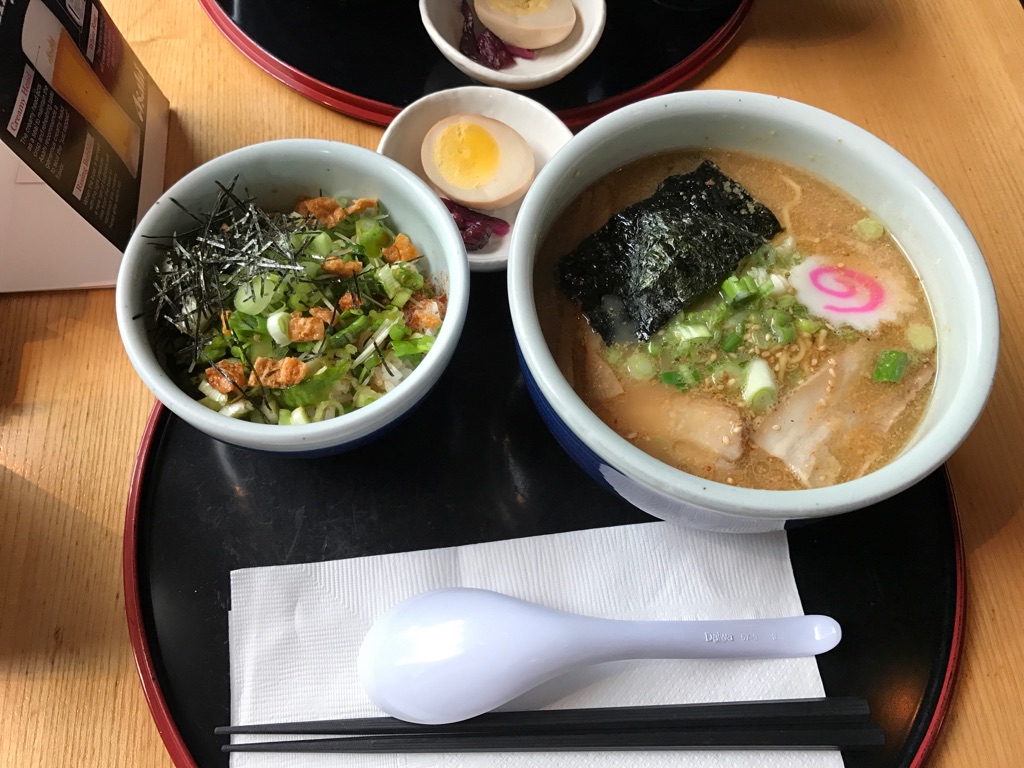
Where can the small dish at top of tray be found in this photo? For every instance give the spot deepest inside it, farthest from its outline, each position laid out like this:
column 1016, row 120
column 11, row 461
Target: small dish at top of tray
column 648, row 47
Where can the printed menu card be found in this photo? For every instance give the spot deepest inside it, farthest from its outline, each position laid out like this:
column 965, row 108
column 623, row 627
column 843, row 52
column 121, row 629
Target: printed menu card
column 84, row 132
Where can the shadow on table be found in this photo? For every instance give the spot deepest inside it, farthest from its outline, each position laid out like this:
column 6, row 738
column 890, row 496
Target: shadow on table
column 796, row 23
column 181, row 155
column 29, row 318
column 56, row 589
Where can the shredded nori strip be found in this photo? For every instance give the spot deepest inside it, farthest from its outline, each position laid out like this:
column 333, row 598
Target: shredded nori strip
column 658, row 255
column 201, row 269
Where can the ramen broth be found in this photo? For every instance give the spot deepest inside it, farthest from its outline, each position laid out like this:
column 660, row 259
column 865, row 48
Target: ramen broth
column 828, row 420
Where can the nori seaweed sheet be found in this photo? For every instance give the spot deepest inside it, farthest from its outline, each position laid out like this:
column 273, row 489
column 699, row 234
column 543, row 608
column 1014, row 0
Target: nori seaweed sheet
column 660, row 254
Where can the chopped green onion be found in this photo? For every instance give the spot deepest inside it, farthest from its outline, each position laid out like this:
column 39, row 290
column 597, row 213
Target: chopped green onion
column 890, row 365
column 246, row 326
column 351, row 332
column 277, row 327
column 312, row 243
column 386, row 276
column 261, row 347
column 869, row 229
column 372, row 235
column 737, row 289
column 255, row 296
column 217, row 348
column 691, row 332
column 731, row 288
column 410, row 347
column 328, row 409
column 683, row 378
column 640, row 366
column 921, row 337
column 304, row 295
column 732, row 342
column 780, row 325
column 311, row 267
column 785, row 301
column 759, row 388
column 236, row 409
column 408, row 278
column 213, row 394
column 314, row 389
column 400, row 298
column 807, row 325
column 375, row 342
column 726, row 372
column 364, row 396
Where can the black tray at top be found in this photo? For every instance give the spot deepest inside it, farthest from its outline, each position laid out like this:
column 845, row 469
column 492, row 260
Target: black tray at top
column 371, row 58
column 892, row 574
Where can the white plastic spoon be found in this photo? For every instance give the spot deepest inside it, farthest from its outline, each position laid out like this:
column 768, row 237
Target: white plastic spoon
column 452, row 654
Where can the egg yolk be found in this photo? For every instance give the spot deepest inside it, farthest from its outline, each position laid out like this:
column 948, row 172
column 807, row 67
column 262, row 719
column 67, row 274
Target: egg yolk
column 519, row 7
column 467, row 155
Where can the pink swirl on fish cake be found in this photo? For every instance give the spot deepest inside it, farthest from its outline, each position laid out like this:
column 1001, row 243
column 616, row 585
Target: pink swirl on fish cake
column 843, row 283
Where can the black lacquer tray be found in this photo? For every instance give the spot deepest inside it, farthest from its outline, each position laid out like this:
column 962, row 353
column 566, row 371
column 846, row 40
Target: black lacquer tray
column 892, row 574
column 371, row 58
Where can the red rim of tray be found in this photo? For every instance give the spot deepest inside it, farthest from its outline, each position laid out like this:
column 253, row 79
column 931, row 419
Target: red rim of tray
column 165, row 724
column 182, row 757
column 373, row 111
column 945, row 697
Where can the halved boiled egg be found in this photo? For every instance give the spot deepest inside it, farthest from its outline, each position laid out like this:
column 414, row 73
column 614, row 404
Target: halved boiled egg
column 528, row 23
column 477, row 161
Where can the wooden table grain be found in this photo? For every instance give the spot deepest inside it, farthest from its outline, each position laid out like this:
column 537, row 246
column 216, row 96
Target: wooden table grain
column 942, row 81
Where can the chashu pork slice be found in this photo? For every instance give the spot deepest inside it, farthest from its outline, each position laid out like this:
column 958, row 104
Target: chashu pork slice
column 822, row 415
column 692, row 429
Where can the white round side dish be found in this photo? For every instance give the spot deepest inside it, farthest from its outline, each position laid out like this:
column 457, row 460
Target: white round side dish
column 542, row 129
column 276, row 173
column 442, row 20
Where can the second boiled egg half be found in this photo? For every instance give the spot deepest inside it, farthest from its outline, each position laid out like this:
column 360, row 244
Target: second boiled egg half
column 477, row 161
column 528, row 23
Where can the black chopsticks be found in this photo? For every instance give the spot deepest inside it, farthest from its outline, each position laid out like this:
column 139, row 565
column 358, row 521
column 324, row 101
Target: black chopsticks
column 830, row 722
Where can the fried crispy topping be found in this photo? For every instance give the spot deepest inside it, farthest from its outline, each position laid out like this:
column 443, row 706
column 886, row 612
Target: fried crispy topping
column 226, row 377
column 305, row 328
column 349, row 301
column 277, row 374
column 342, row 268
column 400, row 250
column 324, row 314
column 327, row 210
column 424, row 313
column 360, row 205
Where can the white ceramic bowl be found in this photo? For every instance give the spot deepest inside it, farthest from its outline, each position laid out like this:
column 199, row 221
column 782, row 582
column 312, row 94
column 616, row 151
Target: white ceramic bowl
column 443, row 21
column 277, row 173
column 542, row 129
column 919, row 216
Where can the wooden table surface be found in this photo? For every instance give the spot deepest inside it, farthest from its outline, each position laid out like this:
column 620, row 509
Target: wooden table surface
column 942, row 81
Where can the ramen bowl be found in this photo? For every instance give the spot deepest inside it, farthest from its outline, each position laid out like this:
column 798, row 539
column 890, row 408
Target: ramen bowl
column 275, row 175
column 920, row 218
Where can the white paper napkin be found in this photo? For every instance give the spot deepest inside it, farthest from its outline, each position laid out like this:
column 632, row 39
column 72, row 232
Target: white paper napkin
column 295, row 632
